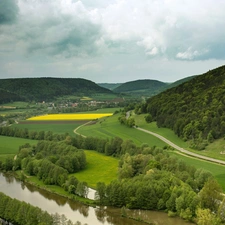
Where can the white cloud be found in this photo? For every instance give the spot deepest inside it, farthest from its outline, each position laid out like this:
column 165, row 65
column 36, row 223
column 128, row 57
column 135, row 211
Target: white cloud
column 94, row 35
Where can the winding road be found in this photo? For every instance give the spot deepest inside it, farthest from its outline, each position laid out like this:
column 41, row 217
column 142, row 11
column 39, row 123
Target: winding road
column 75, row 131
column 181, row 149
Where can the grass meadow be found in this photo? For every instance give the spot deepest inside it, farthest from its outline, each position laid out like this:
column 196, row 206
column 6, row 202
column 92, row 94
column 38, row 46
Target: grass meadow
column 9, row 146
column 110, row 127
column 218, row 171
column 212, row 150
column 55, row 128
column 100, row 168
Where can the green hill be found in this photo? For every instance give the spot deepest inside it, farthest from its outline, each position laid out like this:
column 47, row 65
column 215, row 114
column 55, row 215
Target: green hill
column 109, row 86
column 6, row 96
column 42, row 89
column 141, row 87
column 195, row 110
column 146, row 87
column 178, row 82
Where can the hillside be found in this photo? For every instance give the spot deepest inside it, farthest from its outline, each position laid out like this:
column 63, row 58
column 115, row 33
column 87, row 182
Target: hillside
column 178, row 82
column 109, row 86
column 195, row 110
column 42, row 89
column 6, row 96
column 140, row 87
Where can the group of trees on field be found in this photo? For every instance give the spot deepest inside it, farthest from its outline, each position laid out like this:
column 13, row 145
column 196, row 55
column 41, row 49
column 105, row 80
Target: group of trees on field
column 130, row 122
column 195, row 110
column 50, row 162
column 151, row 179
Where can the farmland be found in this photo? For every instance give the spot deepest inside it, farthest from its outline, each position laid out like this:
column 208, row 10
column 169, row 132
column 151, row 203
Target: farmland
column 100, row 168
column 110, row 127
column 61, row 126
column 88, row 116
column 9, row 145
column 55, row 127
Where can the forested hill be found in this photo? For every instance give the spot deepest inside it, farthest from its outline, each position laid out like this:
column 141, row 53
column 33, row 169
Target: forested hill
column 178, row 82
column 195, row 110
column 139, row 86
column 42, row 89
column 6, row 96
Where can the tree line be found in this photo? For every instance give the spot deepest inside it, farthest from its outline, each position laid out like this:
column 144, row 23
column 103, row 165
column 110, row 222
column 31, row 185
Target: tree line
column 31, row 134
column 22, row 213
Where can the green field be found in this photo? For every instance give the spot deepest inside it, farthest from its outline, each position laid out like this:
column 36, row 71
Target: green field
column 110, row 127
column 218, row 171
column 212, row 150
column 9, row 146
column 18, row 104
column 104, row 97
column 165, row 132
column 100, row 168
column 61, row 128
column 55, row 128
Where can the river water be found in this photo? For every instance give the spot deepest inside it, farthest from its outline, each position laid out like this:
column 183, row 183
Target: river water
column 76, row 211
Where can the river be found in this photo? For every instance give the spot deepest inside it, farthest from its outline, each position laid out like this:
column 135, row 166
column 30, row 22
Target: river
column 76, row 211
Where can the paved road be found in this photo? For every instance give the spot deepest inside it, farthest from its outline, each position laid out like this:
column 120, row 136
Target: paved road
column 181, row 149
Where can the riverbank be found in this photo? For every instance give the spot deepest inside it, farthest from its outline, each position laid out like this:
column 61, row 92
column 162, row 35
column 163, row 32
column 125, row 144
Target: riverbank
column 53, row 189
column 76, row 211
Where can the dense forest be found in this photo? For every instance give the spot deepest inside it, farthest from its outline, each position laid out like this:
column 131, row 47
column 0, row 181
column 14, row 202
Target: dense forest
column 42, row 89
column 7, row 96
column 195, row 110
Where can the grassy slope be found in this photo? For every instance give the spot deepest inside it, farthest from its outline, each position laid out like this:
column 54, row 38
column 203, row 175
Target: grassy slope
column 100, row 168
column 213, row 150
column 218, row 171
column 55, row 128
column 110, row 127
column 9, row 145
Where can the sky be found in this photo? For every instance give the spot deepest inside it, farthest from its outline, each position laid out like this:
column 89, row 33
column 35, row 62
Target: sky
column 111, row 41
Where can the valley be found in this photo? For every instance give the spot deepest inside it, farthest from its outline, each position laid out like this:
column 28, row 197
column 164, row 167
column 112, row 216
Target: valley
column 67, row 144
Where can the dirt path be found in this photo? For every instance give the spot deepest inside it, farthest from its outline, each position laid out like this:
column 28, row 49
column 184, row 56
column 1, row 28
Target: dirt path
column 75, row 130
column 181, row 149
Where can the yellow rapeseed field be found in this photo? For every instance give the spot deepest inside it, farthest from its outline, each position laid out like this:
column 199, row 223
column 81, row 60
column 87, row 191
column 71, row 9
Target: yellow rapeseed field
column 87, row 116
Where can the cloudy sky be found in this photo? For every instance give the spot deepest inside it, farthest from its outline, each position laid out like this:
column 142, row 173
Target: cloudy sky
column 111, row 40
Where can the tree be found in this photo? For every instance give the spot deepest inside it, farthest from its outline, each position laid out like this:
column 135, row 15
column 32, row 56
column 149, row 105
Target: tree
column 148, row 118
column 206, row 217
column 210, row 195
column 82, row 189
column 100, row 194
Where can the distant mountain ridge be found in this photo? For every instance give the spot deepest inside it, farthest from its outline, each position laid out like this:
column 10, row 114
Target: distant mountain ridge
column 42, row 89
column 110, row 86
column 140, row 85
column 145, row 87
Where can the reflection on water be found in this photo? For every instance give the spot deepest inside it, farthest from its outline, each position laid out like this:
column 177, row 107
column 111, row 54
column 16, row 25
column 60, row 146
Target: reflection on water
column 76, row 211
